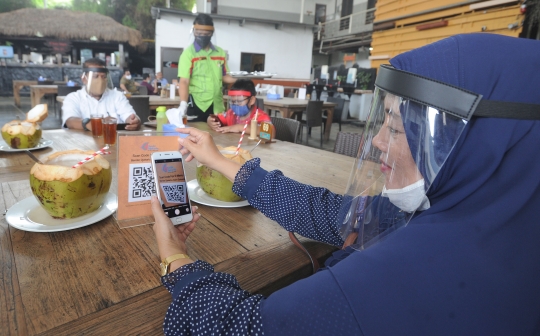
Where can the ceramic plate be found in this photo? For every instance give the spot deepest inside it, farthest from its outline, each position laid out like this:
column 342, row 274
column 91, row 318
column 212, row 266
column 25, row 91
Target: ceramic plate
column 198, row 195
column 42, row 144
column 28, row 215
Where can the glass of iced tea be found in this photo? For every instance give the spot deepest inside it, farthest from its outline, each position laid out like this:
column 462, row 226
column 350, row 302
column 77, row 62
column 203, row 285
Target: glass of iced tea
column 97, row 126
column 109, row 130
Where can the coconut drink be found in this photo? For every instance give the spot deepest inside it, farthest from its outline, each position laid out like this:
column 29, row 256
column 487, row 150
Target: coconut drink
column 66, row 192
column 20, row 134
column 214, row 184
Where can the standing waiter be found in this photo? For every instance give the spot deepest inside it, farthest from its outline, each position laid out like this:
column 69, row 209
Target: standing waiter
column 202, row 70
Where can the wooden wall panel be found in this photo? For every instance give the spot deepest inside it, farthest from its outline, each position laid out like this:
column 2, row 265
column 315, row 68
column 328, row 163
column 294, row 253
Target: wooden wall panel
column 390, row 9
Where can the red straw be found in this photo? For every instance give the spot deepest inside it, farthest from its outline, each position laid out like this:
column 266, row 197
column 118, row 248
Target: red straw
column 102, row 151
column 241, row 138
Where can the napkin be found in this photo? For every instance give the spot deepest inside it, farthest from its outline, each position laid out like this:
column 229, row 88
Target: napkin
column 174, row 117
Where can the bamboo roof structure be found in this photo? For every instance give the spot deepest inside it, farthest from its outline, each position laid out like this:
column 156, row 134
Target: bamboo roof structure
column 68, row 25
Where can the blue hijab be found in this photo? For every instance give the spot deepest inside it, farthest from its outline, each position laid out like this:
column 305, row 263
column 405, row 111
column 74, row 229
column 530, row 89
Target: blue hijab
column 470, row 264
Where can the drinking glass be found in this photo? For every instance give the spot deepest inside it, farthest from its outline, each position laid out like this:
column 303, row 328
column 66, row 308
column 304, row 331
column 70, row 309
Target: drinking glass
column 97, row 126
column 109, row 130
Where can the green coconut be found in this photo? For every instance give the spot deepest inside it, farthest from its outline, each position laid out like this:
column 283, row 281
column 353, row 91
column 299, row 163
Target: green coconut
column 66, row 192
column 20, row 134
column 215, row 184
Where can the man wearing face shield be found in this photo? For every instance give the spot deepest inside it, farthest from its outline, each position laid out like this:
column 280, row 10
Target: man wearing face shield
column 97, row 97
column 202, row 69
column 440, row 214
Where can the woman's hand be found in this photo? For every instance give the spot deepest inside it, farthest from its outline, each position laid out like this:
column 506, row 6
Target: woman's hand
column 214, row 125
column 171, row 239
column 238, row 128
column 201, row 146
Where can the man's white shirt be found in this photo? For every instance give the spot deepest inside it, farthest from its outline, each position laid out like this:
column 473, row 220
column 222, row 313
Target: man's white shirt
column 80, row 104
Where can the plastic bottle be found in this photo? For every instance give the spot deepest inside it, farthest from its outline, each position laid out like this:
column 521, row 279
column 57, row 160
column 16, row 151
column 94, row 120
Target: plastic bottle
column 161, row 118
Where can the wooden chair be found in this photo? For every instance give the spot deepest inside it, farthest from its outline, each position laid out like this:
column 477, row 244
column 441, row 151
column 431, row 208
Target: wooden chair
column 347, row 143
column 286, row 129
column 141, row 105
column 338, row 109
column 313, row 118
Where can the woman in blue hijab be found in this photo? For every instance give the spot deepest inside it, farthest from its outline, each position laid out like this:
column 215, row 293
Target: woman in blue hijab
column 467, row 260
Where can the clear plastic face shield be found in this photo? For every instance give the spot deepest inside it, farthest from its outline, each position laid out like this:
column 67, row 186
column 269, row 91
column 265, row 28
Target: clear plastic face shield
column 202, row 34
column 240, row 102
column 405, row 142
column 96, row 80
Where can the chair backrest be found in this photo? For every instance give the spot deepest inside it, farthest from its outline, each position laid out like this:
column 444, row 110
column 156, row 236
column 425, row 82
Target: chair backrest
column 314, row 113
column 64, row 90
column 141, row 105
column 338, row 109
column 143, row 90
column 347, row 143
column 286, row 129
column 260, row 103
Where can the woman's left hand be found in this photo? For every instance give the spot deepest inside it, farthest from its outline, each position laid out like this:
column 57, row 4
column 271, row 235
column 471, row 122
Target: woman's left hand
column 171, row 239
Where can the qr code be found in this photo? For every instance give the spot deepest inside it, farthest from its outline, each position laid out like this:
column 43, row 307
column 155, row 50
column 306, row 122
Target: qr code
column 141, row 182
column 174, row 192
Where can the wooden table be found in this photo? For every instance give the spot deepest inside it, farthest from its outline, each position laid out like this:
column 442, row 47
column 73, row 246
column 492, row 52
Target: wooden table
column 289, row 106
column 38, row 91
column 19, row 84
column 102, row 280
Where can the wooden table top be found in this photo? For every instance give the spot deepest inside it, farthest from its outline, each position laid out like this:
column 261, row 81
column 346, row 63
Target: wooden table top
column 100, row 279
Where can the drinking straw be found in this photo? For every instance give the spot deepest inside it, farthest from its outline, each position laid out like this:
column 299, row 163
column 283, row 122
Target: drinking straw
column 102, row 151
column 241, row 138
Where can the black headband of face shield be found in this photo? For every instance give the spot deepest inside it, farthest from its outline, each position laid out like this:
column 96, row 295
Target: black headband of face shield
column 456, row 101
column 102, row 70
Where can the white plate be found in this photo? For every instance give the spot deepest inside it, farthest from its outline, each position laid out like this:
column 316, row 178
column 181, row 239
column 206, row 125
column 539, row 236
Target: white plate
column 42, row 144
column 29, row 215
column 198, row 195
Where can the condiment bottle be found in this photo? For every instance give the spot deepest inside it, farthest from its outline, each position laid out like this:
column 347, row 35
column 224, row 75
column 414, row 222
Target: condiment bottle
column 161, row 118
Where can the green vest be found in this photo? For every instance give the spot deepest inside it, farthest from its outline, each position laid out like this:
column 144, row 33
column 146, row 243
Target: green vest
column 205, row 70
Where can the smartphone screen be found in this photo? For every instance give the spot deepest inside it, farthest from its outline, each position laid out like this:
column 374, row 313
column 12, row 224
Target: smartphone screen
column 171, row 186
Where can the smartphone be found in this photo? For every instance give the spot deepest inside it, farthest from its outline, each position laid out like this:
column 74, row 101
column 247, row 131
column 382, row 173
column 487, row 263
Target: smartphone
column 171, row 186
column 216, row 119
column 121, row 127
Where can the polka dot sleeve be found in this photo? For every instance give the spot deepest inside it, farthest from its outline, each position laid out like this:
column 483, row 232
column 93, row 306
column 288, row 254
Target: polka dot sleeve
column 211, row 305
column 308, row 210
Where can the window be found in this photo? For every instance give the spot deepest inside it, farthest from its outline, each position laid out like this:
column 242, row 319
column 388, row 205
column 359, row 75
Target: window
column 251, row 62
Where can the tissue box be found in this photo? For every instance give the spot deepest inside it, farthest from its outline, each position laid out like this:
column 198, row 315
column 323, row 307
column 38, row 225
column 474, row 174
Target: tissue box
column 272, row 96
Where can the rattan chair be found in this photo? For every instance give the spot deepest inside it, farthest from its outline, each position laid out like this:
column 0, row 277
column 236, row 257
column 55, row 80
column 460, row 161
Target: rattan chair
column 347, row 143
column 286, row 129
column 313, row 118
column 143, row 90
column 141, row 105
column 338, row 109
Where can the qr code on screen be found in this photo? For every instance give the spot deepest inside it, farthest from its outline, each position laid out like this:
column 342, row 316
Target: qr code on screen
column 174, row 192
column 141, row 182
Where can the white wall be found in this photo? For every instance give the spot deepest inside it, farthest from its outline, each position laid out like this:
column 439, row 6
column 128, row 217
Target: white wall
column 287, row 50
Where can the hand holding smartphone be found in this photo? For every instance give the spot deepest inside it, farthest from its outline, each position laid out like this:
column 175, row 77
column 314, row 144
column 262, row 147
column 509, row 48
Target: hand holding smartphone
column 171, row 186
column 215, row 118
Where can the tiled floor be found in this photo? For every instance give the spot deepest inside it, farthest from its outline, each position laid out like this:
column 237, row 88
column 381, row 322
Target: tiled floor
column 8, row 112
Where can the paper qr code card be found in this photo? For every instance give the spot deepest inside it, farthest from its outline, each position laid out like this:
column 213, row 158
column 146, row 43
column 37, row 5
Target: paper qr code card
column 141, row 182
column 174, row 192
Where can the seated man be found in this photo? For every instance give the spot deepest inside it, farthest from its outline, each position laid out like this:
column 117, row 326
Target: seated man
column 96, row 98
column 127, row 84
column 146, row 83
column 159, row 82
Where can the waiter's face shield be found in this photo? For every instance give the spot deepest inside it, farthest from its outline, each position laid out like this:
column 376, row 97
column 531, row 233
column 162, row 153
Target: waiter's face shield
column 204, row 35
column 96, row 80
column 407, row 138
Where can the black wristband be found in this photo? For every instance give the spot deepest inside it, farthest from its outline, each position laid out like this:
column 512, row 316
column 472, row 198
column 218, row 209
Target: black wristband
column 85, row 122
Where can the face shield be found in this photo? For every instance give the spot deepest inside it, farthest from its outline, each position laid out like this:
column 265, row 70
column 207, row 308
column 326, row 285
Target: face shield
column 412, row 127
column 239, row 102
column 97, row 80
column 203, row 35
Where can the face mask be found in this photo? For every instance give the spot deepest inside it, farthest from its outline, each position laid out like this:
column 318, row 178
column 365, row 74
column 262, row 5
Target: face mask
column 203, row 41
column 240, row 110
column 410, row 198
column 96, row 86
column 128, row 77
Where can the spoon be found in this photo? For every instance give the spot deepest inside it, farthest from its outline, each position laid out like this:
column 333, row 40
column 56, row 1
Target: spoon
column 255, row 146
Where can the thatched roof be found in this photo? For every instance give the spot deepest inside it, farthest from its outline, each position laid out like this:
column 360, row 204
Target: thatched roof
column 66, row 24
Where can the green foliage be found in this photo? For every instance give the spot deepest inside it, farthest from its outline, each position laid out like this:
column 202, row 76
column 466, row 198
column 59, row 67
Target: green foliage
column 363, row 79
column 11, row 5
